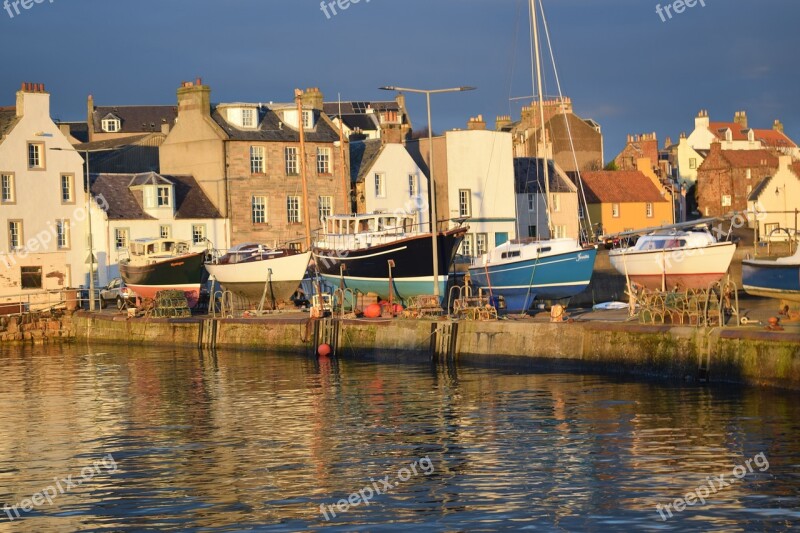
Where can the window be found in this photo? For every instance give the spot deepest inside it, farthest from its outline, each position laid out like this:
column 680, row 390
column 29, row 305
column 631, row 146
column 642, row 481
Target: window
column 325, row 206
column 31, row 277
column 259, row 209
column 412, row 185
column 296, row 246
column 293, row 209
column 556, row 202
column 198, row 234
column 532, row 231
column 649, row 209
column 580, row 210
column 165, row 231
column 749, row 174
column 62, row 234
column 481, row 243
column 67, row 193
column 531, row 202
column 7, row 188
column 467, row 245
column 121, row 238
column 163, row 198
column 14, row 234
column 308, row 120
column 35, row 155
column 323, row 160
column 110, row 125
column 248, row 118
column 464, row 202
column 726, row 200
column 692, row 162
column 559, row 232
column 615, row 210
column 380, row 186
column 291, row 161
column 256, row 159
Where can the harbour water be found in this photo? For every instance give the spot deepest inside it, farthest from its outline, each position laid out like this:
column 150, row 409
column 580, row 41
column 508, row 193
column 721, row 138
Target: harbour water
column 117, row 438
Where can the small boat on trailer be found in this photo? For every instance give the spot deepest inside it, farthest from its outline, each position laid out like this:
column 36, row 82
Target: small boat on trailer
column 155, row 265
column 369, row 252
column 255, row 272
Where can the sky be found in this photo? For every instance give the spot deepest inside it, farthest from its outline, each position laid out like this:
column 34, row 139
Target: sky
column 624, row 65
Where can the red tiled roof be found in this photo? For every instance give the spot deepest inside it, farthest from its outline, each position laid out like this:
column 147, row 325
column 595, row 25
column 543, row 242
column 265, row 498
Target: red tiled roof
column 796, row 168
column 772, row 138
column 750, row 158
column 620, row 186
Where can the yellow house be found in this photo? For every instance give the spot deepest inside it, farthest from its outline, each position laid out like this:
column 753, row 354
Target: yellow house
column 624, row 200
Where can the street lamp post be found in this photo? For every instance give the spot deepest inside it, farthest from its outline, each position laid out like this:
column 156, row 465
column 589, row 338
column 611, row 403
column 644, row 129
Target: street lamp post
column 432, row 181
column 87, row 185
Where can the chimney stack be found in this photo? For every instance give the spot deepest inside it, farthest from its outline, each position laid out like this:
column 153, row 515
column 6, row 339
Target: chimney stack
column 312, row 98
column 501, row 122
column 777, row 125
column 476, row 123
column 740, row 117
column 194, row 96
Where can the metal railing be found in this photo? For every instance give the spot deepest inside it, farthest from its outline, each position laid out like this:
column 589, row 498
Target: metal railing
column 43, row 300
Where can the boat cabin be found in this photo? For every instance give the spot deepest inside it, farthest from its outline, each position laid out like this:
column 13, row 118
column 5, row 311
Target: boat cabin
column 145, row 251
column 673, row 240
column 365, row 230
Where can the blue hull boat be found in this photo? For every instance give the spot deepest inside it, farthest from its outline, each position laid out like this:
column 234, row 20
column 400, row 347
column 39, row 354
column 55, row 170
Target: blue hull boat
column 546, row 270
column 773, row 279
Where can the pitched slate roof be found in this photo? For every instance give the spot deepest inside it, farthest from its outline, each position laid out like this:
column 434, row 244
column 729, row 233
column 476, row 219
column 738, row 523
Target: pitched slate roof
column 529, row 176
column 762, row 186
column 362, row 155
column 79, row 130
column 8, row 119
column 620, row 186
column 362, row 122
column 136, row 118
column 125, row 204
column 272, row 129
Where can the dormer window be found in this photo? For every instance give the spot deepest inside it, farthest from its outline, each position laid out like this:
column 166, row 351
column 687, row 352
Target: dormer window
column 308, row 120
column 248, row 118
column 111, row 124
column 728, row 135
column 163, row 198
column 751, row 136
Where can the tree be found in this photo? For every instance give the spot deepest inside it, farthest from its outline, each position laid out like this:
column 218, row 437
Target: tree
column 612, row 165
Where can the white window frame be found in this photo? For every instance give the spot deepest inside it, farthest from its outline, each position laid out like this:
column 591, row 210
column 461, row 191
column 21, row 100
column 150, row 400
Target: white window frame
column 248, row 118
column 413, row 190
column 291, row 161
column 165, row 234
column 531, row 202
column 293, row 214
column 726, row 200
column 36, row 156
column 163, row 200
column 468, row 245
column 325, row 206
column 258, row 209
column 380, row 185
column 15, row 235
column 323, row 161
column 122, row 238
column 692, row 163
column 308, row 119
column 111, row 125
column 67, row 188
column 648, row 208
column 199, row 234
column 257, row 160
column 62, row 234
column 615, row 210
column 556, row 202
column 7, row 188
column 481, row 247
column 465, row 202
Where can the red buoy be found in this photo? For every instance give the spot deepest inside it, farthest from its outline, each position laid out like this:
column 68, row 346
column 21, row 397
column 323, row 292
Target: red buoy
column 324, row 350
column 373, row 311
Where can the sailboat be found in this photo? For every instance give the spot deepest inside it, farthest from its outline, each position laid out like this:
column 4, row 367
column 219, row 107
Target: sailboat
column 551, row 269
column 258, row 273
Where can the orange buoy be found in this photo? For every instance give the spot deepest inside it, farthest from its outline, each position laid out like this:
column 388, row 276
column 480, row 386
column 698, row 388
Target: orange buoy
column 373, row 311
column 324, row 350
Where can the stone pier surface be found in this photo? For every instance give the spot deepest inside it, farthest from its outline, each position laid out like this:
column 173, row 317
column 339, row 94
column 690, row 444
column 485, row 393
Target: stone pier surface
column 747, row 355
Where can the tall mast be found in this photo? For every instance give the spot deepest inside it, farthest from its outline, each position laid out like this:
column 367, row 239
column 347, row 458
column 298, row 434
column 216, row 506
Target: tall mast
column 536, row 51
column 298, row 96
column 345, row 177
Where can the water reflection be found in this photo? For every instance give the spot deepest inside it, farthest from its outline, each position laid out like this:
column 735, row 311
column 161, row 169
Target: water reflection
column 229, row 441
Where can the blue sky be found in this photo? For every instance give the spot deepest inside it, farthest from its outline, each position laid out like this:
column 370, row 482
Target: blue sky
column 618, row 61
